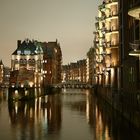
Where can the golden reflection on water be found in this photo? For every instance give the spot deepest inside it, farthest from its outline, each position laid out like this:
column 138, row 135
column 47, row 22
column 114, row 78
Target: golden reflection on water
column 42, row 112
column 94, row 115
column 51, row 115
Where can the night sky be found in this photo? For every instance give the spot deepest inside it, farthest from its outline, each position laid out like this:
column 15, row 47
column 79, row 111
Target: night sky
column 72, row 22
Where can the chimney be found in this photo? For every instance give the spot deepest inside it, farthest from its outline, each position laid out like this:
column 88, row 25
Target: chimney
column 18, row 43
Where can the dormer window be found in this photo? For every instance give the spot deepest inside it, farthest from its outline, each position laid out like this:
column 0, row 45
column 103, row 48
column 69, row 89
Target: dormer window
column 19, row 52
column 27, row 52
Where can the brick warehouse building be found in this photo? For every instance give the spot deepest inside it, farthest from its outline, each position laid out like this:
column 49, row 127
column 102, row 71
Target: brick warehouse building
column 52, row 60
column 74, row 72
column 34, row 64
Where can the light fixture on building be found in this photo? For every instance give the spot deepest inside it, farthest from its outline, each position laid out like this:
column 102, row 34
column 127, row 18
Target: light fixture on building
column 135, row 12
column 135, row 53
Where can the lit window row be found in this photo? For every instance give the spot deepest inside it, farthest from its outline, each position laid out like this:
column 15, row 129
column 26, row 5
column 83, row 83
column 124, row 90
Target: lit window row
column 44, row 61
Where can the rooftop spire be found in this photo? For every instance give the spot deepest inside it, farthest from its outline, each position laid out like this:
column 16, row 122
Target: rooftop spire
column 1, row 63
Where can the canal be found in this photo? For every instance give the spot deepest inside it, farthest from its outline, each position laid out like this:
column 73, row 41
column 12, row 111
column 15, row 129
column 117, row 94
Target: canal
column 73, row 114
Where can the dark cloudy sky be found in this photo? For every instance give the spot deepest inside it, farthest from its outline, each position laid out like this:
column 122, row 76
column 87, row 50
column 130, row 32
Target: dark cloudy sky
column 70, row 21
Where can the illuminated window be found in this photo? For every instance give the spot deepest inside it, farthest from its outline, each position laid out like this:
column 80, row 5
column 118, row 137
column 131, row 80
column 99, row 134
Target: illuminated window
column 55, row 50
column 19, row 52
column 27, row 52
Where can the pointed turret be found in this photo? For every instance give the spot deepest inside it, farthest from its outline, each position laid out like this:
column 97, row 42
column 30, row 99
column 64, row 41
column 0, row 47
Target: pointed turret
column 1, row 63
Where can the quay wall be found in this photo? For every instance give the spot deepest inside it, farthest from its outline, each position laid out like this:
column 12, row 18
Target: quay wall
column 127, row 104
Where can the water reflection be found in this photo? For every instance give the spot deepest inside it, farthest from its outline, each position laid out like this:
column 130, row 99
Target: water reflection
column 105, row 123
column 3, row 95
column 110, row 125
column 25, row 93
column 87, row 106
column 71, row 115
column 37, row 118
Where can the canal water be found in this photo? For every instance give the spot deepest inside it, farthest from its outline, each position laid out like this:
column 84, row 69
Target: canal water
column 73, row 114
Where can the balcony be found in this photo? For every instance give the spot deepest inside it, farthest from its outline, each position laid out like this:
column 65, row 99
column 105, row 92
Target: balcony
column 113, row 29
column 110, row 44
column 98, row 61
column 112, row 32
column 105, row 53
column 102, row 6
column 103, row 42
column 103, row 30
column 96, row 41
column 102, row 37
column 96, row 45
column 97, row 25
column 114, row 46
column 100, row 18
column 109, row 64
column 112, row 16
column 110, row 1
column 96, row 33
column 99, row 58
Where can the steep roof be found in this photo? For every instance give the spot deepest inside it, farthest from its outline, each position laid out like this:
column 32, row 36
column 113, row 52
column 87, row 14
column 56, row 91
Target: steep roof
column 28, row 47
